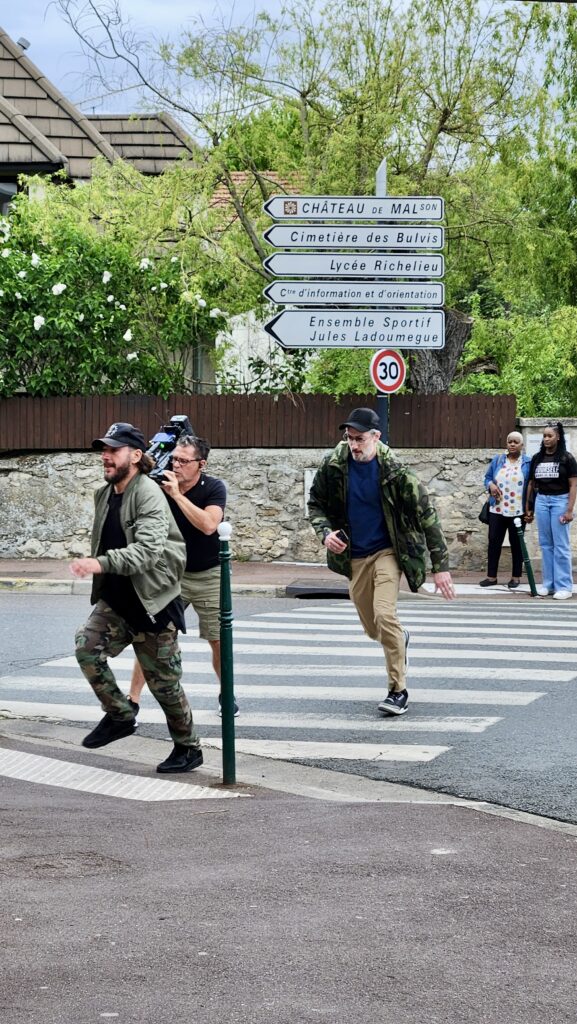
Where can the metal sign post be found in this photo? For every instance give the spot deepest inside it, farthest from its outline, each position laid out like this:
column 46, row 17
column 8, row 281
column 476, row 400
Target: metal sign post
column 525, row 553
column 226, row 660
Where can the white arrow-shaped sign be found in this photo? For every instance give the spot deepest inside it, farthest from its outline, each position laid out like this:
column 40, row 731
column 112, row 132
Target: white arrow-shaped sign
column 354, row 236
column 358, row 328
column 392, row 208
column 338, row 264
column 355, row 293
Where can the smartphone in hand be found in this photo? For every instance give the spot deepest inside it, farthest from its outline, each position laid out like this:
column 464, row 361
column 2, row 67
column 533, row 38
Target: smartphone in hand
column 342, row 536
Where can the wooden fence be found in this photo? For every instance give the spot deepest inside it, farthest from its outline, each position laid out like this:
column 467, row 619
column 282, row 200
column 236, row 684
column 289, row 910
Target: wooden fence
column 256, row 421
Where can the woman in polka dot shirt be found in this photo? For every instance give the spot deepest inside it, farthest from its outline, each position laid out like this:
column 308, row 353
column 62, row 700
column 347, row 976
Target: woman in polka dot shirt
column 506, row 481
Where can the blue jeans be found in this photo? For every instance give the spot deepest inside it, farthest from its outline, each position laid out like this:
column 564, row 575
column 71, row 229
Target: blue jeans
column 554, row 540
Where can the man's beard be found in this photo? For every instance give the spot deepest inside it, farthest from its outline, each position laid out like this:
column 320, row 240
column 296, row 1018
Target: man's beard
column 119, row 474
column 360, row 456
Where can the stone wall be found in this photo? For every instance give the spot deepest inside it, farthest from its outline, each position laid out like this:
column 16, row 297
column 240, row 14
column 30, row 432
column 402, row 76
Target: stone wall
column 46, row 503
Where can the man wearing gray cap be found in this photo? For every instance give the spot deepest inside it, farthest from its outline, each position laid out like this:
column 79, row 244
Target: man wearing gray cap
column 375, row 519
column 138, row 557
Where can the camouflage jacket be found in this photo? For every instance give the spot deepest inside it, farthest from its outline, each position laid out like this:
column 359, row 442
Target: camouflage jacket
column 411, row 519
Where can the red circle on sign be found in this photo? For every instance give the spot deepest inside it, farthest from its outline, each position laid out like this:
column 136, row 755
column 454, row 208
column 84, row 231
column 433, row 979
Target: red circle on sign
column 388, row 370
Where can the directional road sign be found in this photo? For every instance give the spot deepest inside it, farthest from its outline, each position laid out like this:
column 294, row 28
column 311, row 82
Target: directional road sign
column 338, row 264
column 354, row 236
column 388, row 370
column 355, row 293
column 358, row 328
column 388, row 208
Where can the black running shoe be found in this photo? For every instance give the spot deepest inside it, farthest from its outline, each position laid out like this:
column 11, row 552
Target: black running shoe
column 135, row 707
column 182, row 759
column 108, row 730
column 394, row 703
column 236, row 710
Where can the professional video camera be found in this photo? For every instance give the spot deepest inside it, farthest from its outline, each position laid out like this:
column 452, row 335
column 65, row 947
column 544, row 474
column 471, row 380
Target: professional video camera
column 163, row 444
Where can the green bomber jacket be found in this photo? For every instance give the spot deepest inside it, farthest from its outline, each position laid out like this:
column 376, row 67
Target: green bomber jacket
column 411, row 519
column 155, row 555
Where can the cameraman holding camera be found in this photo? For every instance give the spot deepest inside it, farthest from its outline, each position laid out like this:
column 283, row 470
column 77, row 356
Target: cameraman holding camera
column 197, row 502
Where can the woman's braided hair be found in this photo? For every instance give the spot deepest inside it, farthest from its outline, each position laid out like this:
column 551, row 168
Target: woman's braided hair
column 561, row 443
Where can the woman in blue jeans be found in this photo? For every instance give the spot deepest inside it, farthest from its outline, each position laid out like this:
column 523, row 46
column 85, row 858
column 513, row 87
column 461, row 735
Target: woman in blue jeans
column 551, row 493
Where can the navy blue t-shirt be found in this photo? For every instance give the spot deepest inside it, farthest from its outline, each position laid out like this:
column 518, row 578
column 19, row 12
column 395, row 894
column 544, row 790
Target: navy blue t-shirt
column 364, row 509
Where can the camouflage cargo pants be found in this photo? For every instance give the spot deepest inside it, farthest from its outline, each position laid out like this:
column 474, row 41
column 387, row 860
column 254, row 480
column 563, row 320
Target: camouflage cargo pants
column 105, row 635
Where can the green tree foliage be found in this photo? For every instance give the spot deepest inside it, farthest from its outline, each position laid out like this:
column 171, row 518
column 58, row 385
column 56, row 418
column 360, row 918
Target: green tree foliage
column 532, row 357
column 96, row 296
column 316, row 97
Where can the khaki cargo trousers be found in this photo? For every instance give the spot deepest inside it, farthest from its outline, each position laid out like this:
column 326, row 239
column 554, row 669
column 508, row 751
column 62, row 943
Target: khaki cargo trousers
column 374, row 590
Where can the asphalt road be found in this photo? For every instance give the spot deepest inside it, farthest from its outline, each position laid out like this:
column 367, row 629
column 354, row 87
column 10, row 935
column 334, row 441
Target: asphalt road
column 278, row 910
column 519, row 754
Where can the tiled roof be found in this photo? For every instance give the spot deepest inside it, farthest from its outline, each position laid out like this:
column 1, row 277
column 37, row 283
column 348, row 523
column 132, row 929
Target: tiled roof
column 42, row 112
column 245, row 184
column 41, row 130
column 149, row 142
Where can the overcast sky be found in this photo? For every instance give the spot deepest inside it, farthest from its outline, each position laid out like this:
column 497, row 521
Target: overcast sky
column 55, row 49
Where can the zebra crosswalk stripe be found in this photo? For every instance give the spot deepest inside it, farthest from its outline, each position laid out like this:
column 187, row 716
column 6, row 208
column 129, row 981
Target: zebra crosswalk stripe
column 314, row 751
column 275, row 720
column 320, row 655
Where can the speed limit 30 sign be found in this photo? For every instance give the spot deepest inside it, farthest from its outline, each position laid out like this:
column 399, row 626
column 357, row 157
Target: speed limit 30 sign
column 388, row 370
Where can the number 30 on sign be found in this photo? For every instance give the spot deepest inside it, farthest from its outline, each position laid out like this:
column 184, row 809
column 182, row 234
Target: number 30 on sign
column 388, row 370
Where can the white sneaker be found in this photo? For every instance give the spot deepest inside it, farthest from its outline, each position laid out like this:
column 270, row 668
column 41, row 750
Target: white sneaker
column 543, row 591
column 562, row 595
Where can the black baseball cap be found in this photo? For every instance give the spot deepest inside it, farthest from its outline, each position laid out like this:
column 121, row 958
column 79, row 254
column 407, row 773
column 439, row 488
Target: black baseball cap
column 119, row 435
column 363, row 420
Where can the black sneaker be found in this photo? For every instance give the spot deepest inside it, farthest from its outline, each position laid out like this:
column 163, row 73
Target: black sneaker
column 488, row 583
column 182, row 759
column 236, row 711
column 108, row 730
column 394, row 703
column 135, row 707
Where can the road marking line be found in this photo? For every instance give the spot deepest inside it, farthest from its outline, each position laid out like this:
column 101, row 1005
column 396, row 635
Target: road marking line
column 408, row 615
column 431, row 653
column 261, row 629
column 277, row 720
column 122, row 668
column 428, row 653
column 418, row 636
column 490, row 698
column 47, row 771
column 286, row 749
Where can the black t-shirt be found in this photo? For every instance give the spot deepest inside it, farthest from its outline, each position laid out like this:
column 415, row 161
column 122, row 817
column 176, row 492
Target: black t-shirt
column 551, row 473
column 118, row 591
column 201, row 551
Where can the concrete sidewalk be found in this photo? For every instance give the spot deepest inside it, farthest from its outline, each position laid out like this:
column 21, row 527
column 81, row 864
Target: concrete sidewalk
column 315, row 897
column 258, row 579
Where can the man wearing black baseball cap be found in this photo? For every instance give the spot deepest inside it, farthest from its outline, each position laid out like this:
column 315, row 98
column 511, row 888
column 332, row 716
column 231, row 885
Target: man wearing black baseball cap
column 138, row 557
column 376, row 520
column 120, row 435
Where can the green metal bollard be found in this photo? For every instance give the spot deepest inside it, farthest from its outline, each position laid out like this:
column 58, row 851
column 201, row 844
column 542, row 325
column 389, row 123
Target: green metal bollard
column 525, row 553
column 226, row 661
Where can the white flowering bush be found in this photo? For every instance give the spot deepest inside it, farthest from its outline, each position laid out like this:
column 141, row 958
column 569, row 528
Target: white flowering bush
column 84, row 310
